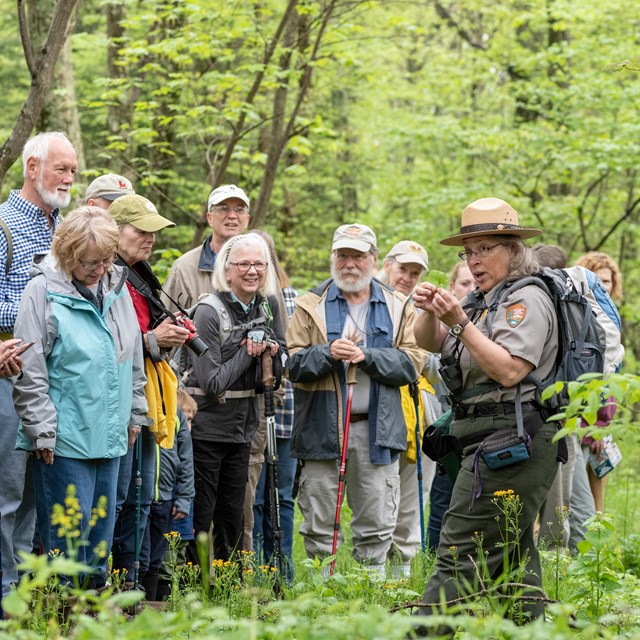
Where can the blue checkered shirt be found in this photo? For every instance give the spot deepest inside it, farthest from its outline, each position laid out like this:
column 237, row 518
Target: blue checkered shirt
column 284, row 413
column 31, row 234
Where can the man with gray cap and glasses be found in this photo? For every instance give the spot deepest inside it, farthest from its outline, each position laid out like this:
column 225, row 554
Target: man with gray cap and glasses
column 107, row 188
column 351, row 324
column 190, row 275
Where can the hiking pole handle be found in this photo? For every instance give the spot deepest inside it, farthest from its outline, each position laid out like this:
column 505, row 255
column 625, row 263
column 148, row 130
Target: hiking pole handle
column 351, row 374
column 268, row 378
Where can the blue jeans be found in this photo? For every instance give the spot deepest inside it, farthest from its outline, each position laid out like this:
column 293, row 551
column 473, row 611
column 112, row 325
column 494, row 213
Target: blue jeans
column 124, row 536
column 262, row 529
column 439, row 499
column 92, row 479
column 17, row 500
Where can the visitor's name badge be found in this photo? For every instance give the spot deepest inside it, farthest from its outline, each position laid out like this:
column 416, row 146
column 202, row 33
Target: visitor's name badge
column 516, row 314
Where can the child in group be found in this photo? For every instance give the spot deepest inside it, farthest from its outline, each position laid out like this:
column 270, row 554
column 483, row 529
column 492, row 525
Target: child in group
column 172, row 506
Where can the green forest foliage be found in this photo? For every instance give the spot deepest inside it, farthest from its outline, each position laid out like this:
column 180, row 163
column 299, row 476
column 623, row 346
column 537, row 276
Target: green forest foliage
column 392, row 113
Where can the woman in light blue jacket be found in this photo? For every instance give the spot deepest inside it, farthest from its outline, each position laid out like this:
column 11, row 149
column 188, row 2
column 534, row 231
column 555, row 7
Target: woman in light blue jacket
column 81, row 397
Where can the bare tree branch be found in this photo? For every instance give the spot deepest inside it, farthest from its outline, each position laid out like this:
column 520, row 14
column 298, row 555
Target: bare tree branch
column 625, row 216
column 580, row 210
column 41, row 80
column 25, row 37
column 447, row 16
column 257, row 81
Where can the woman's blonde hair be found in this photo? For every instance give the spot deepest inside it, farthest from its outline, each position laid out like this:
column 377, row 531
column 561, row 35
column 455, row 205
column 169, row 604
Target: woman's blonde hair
column 596, row 260
column 82, row 229
column 225, row 257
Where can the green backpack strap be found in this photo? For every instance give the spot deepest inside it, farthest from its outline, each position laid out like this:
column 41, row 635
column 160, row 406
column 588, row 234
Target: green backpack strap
column 7, row 233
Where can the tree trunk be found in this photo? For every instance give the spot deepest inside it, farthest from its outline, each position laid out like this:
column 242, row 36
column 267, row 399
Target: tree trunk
column 41, row 68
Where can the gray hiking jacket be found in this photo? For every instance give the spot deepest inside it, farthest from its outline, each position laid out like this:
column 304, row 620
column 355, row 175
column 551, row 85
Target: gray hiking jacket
column 227, row 367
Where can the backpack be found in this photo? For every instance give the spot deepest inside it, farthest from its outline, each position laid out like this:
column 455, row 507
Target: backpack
column 7, row 233
column 180, row 361
column 588, row 326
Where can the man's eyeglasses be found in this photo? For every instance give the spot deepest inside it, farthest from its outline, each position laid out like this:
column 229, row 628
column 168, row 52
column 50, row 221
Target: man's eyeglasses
column 243, row 267
column 97, row 264
column 481, row 251
column 225, row 209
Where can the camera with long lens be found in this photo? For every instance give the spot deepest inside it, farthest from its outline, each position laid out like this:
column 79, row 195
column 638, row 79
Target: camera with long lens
column 194, row 341
column 451, row 373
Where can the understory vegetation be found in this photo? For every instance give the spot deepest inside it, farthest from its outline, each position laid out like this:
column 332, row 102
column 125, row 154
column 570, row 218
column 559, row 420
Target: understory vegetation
column 593, row 594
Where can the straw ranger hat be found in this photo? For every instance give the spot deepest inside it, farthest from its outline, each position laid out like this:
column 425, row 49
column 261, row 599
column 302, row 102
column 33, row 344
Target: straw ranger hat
column 489, row 216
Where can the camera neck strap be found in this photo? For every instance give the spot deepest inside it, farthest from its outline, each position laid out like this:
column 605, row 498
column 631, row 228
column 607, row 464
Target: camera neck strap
column 144, row 289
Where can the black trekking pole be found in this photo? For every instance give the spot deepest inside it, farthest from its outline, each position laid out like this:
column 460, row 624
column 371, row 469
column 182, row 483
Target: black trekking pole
column 272, row 467
column 342, row 474
column 415, row 393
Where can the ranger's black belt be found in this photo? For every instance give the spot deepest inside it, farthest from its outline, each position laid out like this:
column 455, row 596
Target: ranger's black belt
column 462, row 411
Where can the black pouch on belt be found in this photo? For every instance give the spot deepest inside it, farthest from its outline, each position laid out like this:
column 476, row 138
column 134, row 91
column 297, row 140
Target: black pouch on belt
column 439, row 445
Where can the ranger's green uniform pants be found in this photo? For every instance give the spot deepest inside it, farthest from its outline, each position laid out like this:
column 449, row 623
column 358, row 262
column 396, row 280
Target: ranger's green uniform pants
column 454, row 574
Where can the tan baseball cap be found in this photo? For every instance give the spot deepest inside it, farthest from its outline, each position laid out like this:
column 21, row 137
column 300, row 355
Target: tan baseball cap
column 489, row 217
column 409, row 252
column 109, row 186
column 354, row 236
column 139, row 212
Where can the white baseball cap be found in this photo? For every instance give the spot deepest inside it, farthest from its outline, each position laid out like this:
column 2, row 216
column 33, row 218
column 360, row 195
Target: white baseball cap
column 225, row 192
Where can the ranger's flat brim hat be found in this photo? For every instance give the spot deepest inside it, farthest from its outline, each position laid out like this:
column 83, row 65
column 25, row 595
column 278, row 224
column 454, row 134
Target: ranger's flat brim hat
column 138, row 212
column 489, row 217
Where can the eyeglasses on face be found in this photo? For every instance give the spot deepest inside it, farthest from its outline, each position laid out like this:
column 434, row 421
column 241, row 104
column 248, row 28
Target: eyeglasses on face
column 97, row 264
column 482, row 251
column 243, row 266
column 345, row 257
column 225, row 209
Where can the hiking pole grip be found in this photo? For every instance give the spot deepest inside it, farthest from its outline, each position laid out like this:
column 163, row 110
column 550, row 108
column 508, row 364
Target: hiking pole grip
column 352, row 369
column 268, row 380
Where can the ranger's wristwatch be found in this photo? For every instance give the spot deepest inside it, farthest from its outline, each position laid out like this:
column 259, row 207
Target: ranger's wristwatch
column 457, row 329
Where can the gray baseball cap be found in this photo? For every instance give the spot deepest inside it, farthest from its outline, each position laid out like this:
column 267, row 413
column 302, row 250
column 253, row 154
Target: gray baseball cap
column 354, row 236
column 109, row 186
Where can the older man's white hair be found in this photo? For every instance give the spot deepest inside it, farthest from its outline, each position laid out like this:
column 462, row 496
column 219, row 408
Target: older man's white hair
column 38, row 146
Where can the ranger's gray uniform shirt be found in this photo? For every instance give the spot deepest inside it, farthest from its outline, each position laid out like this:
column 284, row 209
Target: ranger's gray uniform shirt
column 525, row 324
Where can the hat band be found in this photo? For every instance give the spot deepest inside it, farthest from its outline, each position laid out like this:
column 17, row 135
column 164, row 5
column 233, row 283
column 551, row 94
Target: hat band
column 491, row 226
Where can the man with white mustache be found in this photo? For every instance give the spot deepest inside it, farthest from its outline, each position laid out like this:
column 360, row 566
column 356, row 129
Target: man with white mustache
column 28, row 219
column 351, row 321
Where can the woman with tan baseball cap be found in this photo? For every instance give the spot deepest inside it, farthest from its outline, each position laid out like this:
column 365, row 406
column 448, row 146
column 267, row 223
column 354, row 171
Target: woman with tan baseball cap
column 138, row 221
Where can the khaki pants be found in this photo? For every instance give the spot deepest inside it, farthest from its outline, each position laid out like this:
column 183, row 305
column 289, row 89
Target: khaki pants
column 372, row 493
column 406, row 535
column 553, row 532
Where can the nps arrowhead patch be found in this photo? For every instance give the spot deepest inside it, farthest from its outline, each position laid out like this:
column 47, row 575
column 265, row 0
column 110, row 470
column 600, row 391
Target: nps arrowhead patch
column 516, row 314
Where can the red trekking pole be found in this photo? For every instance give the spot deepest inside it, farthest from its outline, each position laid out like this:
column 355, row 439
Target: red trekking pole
column 351, row 380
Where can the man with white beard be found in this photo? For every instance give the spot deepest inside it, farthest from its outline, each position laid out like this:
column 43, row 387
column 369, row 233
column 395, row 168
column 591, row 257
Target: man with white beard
column 351, row 320
column 28, row 220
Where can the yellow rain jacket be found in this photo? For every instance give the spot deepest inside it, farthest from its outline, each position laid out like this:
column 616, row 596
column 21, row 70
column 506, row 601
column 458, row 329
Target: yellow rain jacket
column 162, row 396
column 409, row 410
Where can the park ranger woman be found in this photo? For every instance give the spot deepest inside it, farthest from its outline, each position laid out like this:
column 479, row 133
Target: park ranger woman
column 489, row 344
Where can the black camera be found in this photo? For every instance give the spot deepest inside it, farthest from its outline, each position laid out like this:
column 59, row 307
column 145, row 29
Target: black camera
column 451, row 373
column 194, row 341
